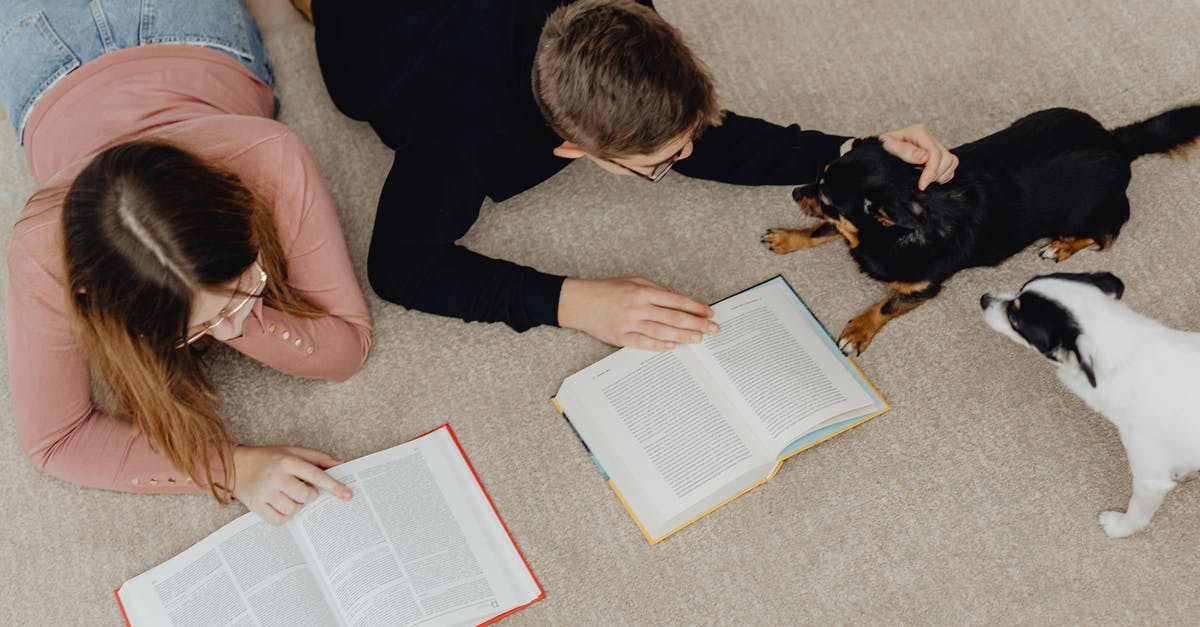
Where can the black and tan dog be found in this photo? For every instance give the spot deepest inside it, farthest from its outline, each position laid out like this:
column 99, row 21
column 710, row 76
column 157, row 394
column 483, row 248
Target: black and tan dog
column 1054, row 174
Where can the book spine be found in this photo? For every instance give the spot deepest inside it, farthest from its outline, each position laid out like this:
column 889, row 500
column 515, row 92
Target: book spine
column 117, row 593
column 586, row 448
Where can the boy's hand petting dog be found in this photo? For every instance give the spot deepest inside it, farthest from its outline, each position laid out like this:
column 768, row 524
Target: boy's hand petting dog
column 633, row 312
column 916, row 145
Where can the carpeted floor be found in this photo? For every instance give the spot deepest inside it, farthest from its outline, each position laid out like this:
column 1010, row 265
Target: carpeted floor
column 973, row 501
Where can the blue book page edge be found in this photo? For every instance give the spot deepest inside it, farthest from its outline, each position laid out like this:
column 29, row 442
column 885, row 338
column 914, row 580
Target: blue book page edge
column 580, row 438
column 879, row 404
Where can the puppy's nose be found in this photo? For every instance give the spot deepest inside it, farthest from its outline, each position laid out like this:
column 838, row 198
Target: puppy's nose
column 985, row 301
column 798, row 193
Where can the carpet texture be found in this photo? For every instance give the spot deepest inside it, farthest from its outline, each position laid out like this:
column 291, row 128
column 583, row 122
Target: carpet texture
column 973, row 501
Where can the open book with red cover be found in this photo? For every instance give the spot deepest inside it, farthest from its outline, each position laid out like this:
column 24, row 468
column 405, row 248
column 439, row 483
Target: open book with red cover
column 421, row 543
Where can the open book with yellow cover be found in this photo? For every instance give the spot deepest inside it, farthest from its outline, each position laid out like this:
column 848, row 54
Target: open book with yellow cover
column 680, row 433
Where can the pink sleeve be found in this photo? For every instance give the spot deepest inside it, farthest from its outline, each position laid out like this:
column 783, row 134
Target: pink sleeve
column 57, row 425
column 66, row 435
column 331, row 347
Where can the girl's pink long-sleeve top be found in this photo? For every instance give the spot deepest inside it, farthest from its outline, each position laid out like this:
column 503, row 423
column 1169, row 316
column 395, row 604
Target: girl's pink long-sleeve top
column 210, row 104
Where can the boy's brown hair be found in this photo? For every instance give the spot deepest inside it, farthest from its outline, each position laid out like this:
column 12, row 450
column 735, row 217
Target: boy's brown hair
column 615, row 78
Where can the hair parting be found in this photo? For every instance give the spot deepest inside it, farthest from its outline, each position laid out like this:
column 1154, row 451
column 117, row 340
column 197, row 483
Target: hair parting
column 145, row 225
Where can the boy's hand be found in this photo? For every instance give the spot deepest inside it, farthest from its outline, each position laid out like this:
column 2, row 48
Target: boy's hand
column 633, row 312
column 275, row 481
column 916, row 145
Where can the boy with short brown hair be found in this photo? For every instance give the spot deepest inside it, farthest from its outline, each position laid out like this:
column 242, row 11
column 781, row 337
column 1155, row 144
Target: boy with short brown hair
column 595, row 85
column 481, row 98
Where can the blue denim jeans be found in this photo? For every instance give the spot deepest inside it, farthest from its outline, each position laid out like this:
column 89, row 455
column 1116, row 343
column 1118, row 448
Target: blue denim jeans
column 42, row 41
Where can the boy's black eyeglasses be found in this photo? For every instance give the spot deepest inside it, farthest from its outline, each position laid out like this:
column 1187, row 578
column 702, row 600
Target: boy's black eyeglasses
column 659, row 171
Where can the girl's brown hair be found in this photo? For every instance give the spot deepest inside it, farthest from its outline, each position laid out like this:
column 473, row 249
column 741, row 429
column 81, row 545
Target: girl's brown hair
column 146, row 224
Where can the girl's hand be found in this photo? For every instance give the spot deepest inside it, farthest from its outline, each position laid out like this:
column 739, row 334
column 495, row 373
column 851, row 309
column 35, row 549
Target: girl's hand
column 275, row 481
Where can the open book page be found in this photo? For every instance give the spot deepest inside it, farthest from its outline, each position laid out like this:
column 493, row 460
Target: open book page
column 418, row 544
column 247, row 573
column 778, row 369
column 664, row 433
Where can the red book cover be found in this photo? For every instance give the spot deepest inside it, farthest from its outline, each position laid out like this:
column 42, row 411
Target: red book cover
column 495, row 512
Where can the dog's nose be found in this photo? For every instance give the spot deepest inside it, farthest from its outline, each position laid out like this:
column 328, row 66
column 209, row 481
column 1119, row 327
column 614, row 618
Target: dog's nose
column 797, row 193
column 985, row 301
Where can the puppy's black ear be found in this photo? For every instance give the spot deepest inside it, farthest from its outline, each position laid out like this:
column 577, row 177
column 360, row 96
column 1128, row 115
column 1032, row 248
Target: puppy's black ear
column 905, row 210
column 808, row 190
column 1109, row 284
column 806, row 198
column 1083, row 357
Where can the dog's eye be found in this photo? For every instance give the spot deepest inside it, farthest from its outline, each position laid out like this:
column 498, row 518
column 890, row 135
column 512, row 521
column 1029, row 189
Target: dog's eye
column 867, row 206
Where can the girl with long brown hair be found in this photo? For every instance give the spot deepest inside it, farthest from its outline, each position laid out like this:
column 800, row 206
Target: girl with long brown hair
column 173, row 212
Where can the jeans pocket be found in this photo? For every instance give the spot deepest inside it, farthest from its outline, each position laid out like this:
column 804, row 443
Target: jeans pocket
column 34, row 57
column 220, row 24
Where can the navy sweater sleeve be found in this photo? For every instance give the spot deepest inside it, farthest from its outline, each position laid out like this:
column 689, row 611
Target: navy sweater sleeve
column 750, row 151
column 426, row 205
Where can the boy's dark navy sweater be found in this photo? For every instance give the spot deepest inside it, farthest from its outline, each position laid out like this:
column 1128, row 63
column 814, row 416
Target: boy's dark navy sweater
column 446, row 84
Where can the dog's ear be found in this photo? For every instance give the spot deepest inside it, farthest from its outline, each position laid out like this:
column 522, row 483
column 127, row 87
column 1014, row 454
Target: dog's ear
column 807, row 190
column 1083, row 357
column 915, row 211
column 806, row 198
column 1109, row 284
column 878, row 208
column 901, row 209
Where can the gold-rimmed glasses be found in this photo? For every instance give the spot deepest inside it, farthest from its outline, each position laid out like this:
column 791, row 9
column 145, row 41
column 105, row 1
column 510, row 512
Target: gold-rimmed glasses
column 229, row 311
column 659, row 170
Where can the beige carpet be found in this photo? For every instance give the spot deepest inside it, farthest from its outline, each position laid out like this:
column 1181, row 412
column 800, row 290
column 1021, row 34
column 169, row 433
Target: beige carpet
column 973, row 501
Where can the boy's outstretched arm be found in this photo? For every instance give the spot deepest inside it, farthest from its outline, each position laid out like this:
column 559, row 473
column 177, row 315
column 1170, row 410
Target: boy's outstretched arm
column 429, row 202
column 750, row 151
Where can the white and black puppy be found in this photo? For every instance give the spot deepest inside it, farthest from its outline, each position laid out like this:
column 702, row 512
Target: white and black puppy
column 1136, row 372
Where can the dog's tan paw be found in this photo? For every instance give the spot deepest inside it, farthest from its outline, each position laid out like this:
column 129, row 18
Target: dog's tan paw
column 783, row 241
column 1117, row 525
column 1064, row 248
column 857, row 335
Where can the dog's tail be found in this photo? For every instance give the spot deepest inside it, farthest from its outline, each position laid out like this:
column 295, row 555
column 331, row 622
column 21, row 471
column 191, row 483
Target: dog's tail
column 1162, row 133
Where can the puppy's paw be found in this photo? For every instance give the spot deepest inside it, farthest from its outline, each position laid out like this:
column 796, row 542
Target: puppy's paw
column 1118, row 525
column 1064, row 248
column 857, row 335
column 783, row 241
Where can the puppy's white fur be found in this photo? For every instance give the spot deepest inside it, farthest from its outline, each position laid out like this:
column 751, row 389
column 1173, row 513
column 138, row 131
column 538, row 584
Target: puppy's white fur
column 1146, row 377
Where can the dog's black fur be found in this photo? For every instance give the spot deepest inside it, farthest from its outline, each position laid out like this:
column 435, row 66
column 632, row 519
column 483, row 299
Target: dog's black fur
column 1055, row 174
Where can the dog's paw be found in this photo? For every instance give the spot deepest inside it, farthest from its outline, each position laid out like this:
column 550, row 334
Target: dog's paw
column 1117, row 525
column 1046, row 252
column 781, row 241
column 1064, row 248
column 857, row 335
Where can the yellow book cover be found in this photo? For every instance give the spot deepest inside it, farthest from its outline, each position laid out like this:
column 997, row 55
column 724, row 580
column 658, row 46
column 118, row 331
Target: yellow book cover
column 678, row 434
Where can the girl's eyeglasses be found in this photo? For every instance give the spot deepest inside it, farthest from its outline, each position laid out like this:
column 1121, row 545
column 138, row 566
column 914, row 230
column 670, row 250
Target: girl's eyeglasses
column 229, row 311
